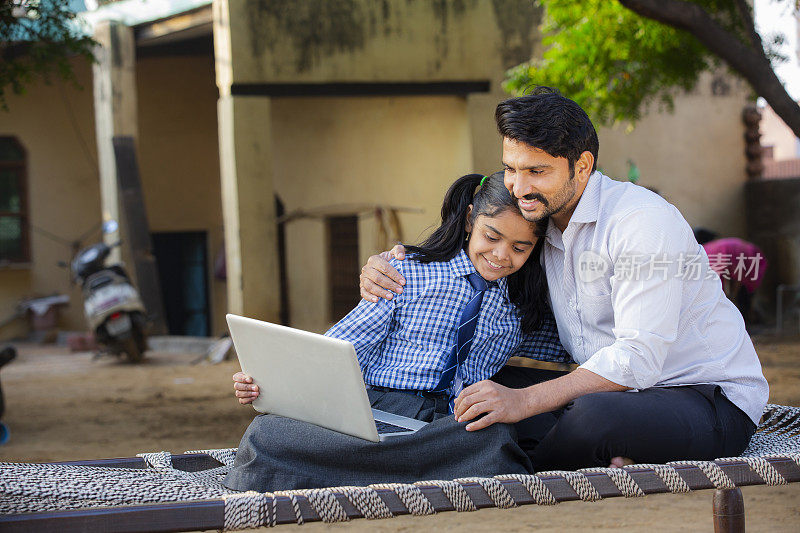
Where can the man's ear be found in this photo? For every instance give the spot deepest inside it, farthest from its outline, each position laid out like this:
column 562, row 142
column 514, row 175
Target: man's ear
column 469, row 224
column 583, row 166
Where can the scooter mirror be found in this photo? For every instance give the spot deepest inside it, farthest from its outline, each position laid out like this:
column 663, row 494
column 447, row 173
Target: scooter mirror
column 110, row 226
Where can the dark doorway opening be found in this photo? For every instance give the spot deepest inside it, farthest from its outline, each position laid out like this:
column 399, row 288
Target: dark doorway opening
column 182, row 259
column 343, row 264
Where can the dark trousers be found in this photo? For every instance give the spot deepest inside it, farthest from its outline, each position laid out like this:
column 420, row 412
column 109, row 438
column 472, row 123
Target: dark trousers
column 654, row 425
column 278, row 453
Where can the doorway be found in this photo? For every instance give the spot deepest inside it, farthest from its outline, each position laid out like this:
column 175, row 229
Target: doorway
column 182, row 259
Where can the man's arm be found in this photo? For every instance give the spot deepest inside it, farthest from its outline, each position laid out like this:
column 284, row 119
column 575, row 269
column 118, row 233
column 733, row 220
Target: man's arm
column 502, row 404
column 378, row 277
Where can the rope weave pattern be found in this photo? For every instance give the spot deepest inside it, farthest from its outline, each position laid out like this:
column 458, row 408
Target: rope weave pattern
column 671, row 478
column 47, row 487
column 579, row 483
column 494, row 489
column 292, row 495
column 367, row 502
column 157, row 460
column 324, row 503
column 455, row 493
column 760, row 466
column 535, row 487
column 621, row 478
column 248, row 510
column 712, row 471
column 411, row 496
column 225, row 456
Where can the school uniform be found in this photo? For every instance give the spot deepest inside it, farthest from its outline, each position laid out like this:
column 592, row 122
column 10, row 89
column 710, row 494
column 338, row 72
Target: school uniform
column 403, row 347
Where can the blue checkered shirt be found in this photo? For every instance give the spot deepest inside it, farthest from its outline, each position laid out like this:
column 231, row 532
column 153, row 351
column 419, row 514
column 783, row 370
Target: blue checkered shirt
column 404, row 343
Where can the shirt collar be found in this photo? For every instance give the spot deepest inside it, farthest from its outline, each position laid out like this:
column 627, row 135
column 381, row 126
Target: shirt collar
column 586, row 211
column 589, row 205
column 553, row 235
column 461, row 266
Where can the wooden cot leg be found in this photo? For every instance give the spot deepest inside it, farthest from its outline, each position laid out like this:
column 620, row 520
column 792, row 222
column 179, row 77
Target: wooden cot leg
column 728, row 511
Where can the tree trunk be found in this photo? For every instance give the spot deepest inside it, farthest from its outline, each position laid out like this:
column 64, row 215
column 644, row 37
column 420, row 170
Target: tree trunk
column 751, row 63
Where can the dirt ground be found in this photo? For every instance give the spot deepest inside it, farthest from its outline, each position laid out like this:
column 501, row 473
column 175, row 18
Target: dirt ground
column 62, row 406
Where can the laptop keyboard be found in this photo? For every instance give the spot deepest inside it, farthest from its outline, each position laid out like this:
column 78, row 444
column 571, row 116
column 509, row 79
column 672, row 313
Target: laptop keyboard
column 385, row 427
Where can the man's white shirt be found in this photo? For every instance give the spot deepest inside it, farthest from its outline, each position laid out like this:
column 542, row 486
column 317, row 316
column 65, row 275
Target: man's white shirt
column 636, row 302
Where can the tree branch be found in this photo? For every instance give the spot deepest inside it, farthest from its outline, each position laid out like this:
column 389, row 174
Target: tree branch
column 749, row 24
column 751, row 63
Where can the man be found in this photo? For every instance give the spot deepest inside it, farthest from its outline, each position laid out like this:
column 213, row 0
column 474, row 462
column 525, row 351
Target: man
column 667, row 370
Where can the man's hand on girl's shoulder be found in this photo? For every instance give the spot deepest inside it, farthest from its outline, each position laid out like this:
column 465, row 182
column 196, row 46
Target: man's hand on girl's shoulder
column 379, row 279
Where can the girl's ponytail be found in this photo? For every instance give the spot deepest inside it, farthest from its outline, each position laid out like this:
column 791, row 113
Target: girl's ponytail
column 448, row 239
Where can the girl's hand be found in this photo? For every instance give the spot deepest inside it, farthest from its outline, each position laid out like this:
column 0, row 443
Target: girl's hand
column 496, row 402
column 378, row 277
column 244, row 389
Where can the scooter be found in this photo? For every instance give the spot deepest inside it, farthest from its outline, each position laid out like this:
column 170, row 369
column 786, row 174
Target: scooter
column 111, row 303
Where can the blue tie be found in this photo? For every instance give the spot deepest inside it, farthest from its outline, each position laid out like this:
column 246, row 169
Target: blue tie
column 466, row 331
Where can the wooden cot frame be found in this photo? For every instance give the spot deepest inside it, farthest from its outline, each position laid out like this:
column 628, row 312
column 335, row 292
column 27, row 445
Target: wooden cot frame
column 728, row 504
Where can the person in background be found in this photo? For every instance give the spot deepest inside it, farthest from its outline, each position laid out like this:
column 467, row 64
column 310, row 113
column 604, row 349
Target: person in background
column 740, row 266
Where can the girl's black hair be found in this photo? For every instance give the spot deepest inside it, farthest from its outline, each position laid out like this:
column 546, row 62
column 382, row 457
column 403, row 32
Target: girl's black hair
column 527, row 287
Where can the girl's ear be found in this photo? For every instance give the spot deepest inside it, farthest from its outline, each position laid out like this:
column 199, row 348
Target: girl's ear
column 469, row 224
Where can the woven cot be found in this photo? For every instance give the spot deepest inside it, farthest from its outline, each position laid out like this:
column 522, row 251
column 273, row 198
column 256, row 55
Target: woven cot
column 164, row 492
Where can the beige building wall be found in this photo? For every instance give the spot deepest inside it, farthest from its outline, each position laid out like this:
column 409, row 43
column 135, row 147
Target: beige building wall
column 335, row 152
column 179, row 156
column 390, row 41
column 776, row 134
column 55, row 124
column 694, row 157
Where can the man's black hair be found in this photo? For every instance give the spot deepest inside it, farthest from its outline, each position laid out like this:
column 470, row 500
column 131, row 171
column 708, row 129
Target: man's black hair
column 546, row 120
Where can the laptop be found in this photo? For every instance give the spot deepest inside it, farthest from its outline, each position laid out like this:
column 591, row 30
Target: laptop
column 312, row 378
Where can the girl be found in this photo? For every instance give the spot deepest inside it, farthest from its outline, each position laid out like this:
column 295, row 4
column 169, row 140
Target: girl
column 483, row 257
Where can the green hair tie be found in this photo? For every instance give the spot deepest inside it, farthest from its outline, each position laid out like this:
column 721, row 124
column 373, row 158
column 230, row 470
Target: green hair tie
column 484, row 179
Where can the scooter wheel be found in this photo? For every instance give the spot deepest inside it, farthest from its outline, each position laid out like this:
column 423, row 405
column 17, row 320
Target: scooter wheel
column 131, row 349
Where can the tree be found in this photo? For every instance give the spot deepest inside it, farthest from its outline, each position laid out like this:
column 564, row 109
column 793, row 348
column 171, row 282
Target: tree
column 616, row 58
column 37, row 38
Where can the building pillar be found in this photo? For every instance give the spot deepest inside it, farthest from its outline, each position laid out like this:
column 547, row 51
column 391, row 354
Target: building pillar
column 248, row 195
column 115, row 110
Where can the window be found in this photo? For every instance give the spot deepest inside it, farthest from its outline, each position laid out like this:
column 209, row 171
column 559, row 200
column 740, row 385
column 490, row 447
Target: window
column 14, row 246
column 343, row 264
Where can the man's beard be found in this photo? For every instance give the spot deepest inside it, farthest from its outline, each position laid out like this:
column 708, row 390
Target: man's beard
column 559, row 202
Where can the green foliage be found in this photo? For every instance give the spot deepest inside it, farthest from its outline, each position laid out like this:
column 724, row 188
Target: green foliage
column 616, row 63
column 37, row 39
